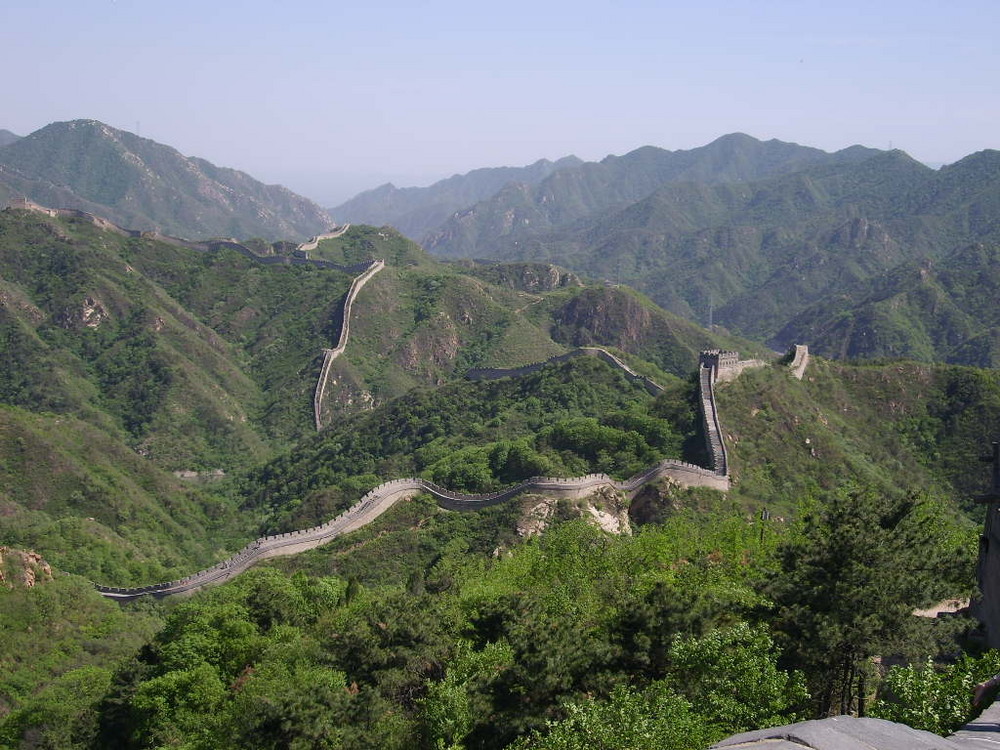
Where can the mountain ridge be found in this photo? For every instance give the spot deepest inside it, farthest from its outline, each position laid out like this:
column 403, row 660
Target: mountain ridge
column 143, row 184
column 415, row 210
column 7, row 137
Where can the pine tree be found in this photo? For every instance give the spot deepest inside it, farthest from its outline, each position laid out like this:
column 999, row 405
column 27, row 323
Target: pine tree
column 849, row 584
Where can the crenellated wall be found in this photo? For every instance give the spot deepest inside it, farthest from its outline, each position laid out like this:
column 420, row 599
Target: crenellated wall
column 313, row 242
column 208, row 246
column 726, row 365
column 381, row 498
column 715, row 365
column 345, row 331
column 800, row 360
column 710, row 421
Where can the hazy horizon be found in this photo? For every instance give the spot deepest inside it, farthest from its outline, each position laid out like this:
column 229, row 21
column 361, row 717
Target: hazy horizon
column 333, row 101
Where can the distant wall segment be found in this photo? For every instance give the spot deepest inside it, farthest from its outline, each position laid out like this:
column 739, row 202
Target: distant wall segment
column 381, row 498
column 492, row 373
column 345, row 331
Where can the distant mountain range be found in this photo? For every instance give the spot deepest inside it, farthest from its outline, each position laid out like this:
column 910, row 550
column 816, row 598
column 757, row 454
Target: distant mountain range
column 416, row 211
column 142, row 184
column 860, row 253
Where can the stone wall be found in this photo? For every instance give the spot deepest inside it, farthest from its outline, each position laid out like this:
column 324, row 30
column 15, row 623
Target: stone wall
column 345, row 331
column 383, row 497
column 800, row 360
column 212, row 245
column 714, row 442
column 313, row 242
column 726, row 365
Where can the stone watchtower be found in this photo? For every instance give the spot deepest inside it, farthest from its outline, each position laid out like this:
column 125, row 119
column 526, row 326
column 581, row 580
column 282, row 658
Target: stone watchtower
column 718, row 360
column 988, row 567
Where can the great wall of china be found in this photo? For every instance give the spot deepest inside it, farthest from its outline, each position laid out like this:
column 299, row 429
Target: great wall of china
column 345, row 330
column 299, row 258
column 714, row 366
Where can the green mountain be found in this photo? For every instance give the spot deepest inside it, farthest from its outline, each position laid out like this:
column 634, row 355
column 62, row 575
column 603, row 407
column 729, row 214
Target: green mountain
column 932, row 310
column 437, row 604
column 142, row 184
column 751, row 256
column 203, row 360
column 157, row 412
column 519, row 213
column 415, row 211
column 137, row 355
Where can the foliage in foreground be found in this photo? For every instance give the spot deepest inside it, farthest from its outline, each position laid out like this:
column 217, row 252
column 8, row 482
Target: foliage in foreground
column 934, row 697
column 479, row 652
column 849, row 583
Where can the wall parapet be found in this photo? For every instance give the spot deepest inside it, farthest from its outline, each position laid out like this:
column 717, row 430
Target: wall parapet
column 800, row 360
column 329, row 355
column 382, row 497
column 207, row 246
column 379, row 499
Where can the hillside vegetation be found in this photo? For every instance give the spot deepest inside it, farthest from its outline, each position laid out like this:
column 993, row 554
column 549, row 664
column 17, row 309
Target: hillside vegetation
column 142, row 184
column 679, row 614
column 860, row 253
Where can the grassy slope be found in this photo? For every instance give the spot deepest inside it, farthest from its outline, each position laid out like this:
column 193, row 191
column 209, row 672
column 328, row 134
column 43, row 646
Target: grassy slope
column 901, row 426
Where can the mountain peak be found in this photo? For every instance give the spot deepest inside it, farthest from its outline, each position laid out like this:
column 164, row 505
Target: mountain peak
column 141, row 184
column 739, row 139
column 987, row 159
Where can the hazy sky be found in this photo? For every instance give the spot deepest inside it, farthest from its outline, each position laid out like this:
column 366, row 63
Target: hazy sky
column 330, row 98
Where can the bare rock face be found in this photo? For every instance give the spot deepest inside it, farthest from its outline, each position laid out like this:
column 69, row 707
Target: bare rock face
column 607, row 317
column 22, row 568
column 605, row 508
column 91, row 312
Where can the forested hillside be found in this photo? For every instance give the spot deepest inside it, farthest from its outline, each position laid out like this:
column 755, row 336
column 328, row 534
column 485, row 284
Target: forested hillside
column 479, row 628
column 860, row 253
column 136, row 182
column 538, row 623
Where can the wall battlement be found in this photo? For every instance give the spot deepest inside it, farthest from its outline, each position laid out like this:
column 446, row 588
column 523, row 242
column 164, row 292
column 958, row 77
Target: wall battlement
column 384, row 496
column 376, row 502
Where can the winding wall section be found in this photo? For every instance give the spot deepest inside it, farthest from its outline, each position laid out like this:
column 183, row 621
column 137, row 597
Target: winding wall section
column 492, row 373
column 381, row 498
column 345, row 331
column 714, row 366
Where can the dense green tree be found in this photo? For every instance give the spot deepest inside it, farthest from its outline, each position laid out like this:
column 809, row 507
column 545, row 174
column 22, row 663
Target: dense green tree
column 731, row 676
column 627, row 720
column 849, row 583
column 934, row 697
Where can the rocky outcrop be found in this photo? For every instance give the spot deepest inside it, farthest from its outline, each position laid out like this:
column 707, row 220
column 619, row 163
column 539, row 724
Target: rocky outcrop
column 22, row 568
column 854, row 733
